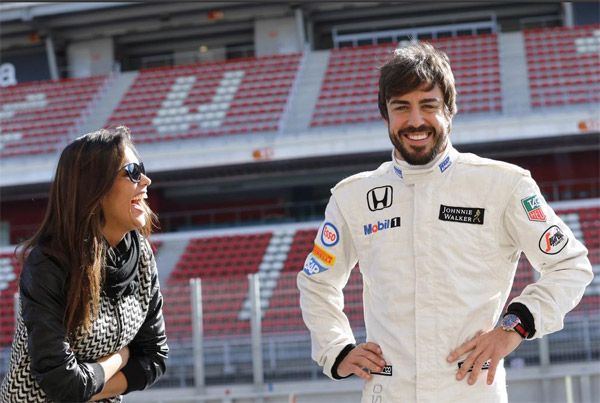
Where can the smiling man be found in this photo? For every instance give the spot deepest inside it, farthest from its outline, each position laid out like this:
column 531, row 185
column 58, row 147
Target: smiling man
column 437, row 235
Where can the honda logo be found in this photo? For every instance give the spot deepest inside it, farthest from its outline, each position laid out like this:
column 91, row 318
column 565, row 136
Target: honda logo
column 380, row 198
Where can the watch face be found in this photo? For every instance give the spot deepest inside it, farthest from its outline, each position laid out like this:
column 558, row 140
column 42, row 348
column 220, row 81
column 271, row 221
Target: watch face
column 510, row 321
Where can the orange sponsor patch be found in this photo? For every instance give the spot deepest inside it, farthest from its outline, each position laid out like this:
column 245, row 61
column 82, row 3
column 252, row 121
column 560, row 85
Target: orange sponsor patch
column 323, row 255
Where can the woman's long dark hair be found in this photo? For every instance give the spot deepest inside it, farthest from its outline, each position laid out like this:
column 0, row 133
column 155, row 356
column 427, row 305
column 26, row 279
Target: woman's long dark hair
column 71, row 232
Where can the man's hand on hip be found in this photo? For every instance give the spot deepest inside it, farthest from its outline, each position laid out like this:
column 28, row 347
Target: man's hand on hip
column 493, row 346
column 364, row 356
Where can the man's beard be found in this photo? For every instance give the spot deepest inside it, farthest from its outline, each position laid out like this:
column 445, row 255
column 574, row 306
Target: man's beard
column 416, row 158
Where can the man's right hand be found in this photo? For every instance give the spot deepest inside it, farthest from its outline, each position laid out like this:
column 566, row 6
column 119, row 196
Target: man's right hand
column 364, row 356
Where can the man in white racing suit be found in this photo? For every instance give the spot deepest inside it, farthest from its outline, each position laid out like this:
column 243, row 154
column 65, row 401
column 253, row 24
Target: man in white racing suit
column 437, row 235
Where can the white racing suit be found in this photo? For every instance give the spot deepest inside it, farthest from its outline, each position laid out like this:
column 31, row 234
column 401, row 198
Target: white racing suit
column 438, row 247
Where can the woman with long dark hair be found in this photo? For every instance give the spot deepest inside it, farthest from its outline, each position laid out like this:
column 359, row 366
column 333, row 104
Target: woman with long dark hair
column 90, row 324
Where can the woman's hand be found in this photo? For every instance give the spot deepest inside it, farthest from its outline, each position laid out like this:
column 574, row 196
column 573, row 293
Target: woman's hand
column 112, row 363
column 115, row 382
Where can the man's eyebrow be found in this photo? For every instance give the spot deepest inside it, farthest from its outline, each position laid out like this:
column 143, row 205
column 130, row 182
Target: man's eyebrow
column 429, row 100
column 398, row 101
column 423, row 101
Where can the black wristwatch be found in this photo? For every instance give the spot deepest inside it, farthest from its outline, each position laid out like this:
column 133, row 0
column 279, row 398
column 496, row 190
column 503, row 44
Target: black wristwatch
column 511, row 322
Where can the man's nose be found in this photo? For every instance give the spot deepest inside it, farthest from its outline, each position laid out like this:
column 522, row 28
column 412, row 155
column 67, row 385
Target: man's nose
column 415, row 118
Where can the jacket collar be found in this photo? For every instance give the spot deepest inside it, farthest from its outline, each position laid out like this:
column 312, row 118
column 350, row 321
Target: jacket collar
column 440, row 165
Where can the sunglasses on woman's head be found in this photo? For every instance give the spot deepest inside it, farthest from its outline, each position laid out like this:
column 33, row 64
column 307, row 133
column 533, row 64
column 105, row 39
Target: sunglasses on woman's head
column 134, row 171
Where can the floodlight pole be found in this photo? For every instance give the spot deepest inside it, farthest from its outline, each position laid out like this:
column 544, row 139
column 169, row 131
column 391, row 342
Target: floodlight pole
column 197, row 334
column 255, row 328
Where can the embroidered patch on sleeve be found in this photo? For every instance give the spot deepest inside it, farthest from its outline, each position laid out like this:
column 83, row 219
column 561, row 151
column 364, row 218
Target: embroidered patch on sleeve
column 323, row 255
column 330, row 235
column 533, row 208
column 313, row 267
column 553, row 240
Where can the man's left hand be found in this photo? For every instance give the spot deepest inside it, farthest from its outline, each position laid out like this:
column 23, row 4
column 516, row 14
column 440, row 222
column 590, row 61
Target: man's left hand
column 493, row 346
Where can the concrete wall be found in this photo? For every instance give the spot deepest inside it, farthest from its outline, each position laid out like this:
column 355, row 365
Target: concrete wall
column 277, row 36
column 90, row 58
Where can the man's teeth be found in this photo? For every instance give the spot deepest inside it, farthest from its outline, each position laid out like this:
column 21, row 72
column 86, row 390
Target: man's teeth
column 417, row 136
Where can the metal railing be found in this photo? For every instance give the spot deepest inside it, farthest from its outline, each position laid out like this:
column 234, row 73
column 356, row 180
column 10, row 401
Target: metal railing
column 571, row 189
column 271, row 213
column 397, row 35
column 263, row 355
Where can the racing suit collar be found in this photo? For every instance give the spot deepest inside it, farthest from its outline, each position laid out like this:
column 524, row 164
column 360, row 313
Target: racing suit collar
column 416, row 173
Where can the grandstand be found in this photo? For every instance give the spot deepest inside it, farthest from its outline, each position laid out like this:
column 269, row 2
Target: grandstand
column 247, row 114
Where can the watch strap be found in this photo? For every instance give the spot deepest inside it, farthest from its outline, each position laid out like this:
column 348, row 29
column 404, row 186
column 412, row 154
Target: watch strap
column 520, row 329
column 524, row 315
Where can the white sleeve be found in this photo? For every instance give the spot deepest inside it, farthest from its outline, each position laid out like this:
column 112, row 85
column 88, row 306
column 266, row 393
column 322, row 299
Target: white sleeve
column 325, row 273
column 553, row 251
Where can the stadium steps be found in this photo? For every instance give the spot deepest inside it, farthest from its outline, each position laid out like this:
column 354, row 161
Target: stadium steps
column 268, row 270
column 109, row 101
column 516, row 99
column 303, row 103
column 170, row 253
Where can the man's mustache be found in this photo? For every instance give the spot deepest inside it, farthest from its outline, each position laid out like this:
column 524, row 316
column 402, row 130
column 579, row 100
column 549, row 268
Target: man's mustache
column 412, row 129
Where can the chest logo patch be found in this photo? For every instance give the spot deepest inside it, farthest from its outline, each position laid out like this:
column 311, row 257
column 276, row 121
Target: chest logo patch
column 467, row 215
column 381, row 225
column 380, row 198
column 553, row 240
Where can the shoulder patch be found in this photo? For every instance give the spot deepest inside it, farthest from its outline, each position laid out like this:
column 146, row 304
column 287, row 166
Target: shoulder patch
column 553, row 240
column 311, row 266
column 533, row 208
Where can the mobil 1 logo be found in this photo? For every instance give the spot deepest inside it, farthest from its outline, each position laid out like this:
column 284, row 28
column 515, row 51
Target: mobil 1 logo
column 378, row 226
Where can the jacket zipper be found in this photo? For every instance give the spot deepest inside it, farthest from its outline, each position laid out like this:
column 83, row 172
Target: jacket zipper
column 119, row 324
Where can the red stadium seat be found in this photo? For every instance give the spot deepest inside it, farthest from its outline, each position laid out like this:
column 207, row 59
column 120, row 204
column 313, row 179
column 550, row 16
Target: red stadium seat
column 47, row 111
column 209, row 99
column 349, row 89
column 565, row 70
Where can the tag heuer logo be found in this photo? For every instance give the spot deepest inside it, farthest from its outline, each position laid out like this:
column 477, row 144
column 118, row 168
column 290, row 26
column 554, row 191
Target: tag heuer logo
column 380, row 198
column 533, row 208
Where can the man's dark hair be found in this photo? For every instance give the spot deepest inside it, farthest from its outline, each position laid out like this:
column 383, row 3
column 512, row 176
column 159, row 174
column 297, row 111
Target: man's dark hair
column 410, row 68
